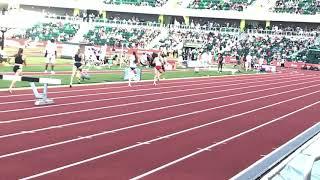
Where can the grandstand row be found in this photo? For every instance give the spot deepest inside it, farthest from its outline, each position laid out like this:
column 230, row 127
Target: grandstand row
column 265, row 54
column 270, row 39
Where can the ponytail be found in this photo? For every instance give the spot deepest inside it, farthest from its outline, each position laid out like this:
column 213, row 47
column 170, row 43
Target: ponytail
column 136, row 60
column 20, row 51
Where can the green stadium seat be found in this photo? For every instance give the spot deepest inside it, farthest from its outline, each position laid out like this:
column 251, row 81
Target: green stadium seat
column 47, row 31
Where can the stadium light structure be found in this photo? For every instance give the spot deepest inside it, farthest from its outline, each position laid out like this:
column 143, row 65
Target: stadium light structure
column 3, row 31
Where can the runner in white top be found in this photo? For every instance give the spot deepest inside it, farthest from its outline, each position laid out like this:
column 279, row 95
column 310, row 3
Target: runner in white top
column 158, row 68
column 133, row 61
column 144, row 59
column 261, row 60
column 51, row 53
column 248, row 62
column 157, row 61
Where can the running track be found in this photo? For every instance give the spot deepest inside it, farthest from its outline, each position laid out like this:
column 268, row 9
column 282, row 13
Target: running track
column 203, row 128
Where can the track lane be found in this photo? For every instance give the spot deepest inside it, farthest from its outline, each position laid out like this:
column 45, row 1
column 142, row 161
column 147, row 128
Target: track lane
column 11, row 102
column 92, row 88
column 149, row 156
column 7, row 115
column 56, row 134
column 113, row 113
column 104, row 140
column 66, row 100
column 243, row 151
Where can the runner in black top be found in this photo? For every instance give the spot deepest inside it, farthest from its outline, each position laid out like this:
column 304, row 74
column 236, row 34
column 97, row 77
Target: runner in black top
column 78, row 58
column 19, row 61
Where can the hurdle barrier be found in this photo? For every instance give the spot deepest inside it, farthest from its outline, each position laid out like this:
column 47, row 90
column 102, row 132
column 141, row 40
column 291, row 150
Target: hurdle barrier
column 128, row 73
column 40, row 98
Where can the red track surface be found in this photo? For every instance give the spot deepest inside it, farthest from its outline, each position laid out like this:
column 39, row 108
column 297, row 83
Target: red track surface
column 204, row 128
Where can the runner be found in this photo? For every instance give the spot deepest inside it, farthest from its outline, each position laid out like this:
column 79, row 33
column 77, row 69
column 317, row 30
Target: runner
column 19, row 61
column 248, row 62
column 133, row 65
column 76, row 71
column 51, row 54
column 158, row 68
column 282, row 63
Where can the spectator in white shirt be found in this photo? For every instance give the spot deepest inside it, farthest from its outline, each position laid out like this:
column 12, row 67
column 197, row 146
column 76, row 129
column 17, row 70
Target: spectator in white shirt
column 50, row 54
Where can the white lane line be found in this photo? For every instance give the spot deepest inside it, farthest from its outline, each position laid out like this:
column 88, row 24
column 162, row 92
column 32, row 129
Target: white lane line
column 178, row 133
column 167, row 81
column 139, row 90
column 221, row 142
column 204, row 149
column 162, row 120
column 124, row 97
column 108, row 107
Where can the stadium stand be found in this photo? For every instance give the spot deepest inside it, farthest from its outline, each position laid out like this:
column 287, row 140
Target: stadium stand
column 297, row 6
column 271, row 30
column 289, row 42
column 278, row 40
column 238, row 5
column 153, row 3
column 118, row 36
column 269, row 46
column 46, row 31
